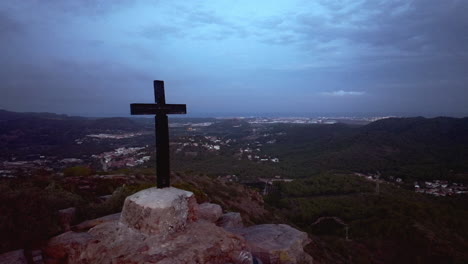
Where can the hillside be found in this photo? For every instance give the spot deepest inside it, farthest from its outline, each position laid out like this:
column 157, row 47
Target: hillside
column 392, row 226
column 23, row 134
column 409, row 148
column 223, row 161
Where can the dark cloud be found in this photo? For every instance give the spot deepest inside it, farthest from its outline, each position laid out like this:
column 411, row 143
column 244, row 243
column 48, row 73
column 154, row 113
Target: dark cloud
column 191, row 22
column 431, row 26
column 78, row 88
column 90, row 8
column 97, row 56
column 160, row 31
column 8, row 25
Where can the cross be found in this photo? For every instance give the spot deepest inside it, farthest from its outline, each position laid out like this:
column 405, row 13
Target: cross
column 161, row 110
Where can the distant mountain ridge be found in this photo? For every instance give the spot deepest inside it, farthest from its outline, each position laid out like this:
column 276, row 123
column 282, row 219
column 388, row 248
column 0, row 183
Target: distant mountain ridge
column 9, row 115
column 21, row 133
column 117, row 123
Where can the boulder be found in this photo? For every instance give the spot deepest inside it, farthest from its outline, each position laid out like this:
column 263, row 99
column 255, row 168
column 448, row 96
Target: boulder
column 68, row 245
column 105, row 198
column 209, row 212
column 66, row 218
column 276, row 244
column 86, row 225
column 36, row 256
column 230, row 220
column 199, row 242
column 159, row 211
column 13, row 257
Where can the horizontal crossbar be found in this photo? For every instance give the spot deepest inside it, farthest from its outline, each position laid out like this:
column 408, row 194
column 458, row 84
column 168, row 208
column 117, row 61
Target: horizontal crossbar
column 155, row 109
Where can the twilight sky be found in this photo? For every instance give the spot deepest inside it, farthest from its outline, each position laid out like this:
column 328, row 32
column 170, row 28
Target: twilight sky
column 95, row 57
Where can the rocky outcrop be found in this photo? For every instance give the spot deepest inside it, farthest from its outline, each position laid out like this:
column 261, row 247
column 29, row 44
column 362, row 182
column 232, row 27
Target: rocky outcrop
column 66, row 247
column 156, row 226
column 230, row 220
column 66, row 218
column 276, row 244
column 13, row 257
column 199, row 242
column 86, row 225
column 168, row 226
column 209, row 212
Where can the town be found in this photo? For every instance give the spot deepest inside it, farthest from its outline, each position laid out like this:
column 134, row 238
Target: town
column 252, row 140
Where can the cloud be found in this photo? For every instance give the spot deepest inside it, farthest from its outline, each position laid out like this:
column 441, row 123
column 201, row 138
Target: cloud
column 159, row 31
column 72, row 53
column 343, row 93
column 412, row 27
column 8, row 25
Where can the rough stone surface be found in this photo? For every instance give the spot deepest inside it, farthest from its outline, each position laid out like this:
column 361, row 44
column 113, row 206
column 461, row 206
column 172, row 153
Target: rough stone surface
column 199, row 242
column 230, row 220
column 161, row 226
column 159, row 211
column 13, row 257
column 68, row 245
column 66, row 218
column 36, row 256
column 209, row 212
column 276, row 244
column 86, row 225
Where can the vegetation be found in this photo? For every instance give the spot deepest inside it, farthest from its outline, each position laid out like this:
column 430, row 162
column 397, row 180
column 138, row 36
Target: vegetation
column 77, row 171
column 29, row 206
column 28, row 212
column 396, row 225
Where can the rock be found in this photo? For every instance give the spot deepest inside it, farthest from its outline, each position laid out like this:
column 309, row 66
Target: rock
column 159, row 211
column 66, row 246
column 66, row 218
column 230, row 220
column 156, row 226
column 86, row 225
column 199, row 242
column 209, row 212
column 276, row 244
column 36, row 256
column 160, row 226
column 104, row 198
column 13, row 257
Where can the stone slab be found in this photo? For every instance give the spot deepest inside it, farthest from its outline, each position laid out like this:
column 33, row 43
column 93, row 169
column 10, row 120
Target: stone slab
column 159, row 211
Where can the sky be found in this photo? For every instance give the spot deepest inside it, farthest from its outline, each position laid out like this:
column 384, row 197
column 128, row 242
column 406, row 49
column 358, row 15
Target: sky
column 95, row 57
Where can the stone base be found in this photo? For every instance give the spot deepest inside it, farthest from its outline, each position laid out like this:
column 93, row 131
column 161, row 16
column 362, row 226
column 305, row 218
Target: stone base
column 159, row 211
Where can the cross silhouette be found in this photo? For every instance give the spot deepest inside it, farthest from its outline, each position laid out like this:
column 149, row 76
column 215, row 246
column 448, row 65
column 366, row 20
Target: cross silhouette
column 161, row 110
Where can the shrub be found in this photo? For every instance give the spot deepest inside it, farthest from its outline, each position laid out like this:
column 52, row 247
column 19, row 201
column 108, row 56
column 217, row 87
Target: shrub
column 77, row 171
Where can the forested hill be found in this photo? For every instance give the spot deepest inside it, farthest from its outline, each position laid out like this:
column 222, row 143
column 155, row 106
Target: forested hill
column 401, row 147
column 8, row 115
column 50, row 134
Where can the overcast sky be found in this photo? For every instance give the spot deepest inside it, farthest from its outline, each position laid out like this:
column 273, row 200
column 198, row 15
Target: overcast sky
column 95, row 57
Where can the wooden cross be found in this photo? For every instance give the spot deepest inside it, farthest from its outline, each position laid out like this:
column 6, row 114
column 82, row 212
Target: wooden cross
column 161, row 110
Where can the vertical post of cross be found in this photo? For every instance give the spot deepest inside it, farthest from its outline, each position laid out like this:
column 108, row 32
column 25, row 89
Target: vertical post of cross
column 162, row 139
